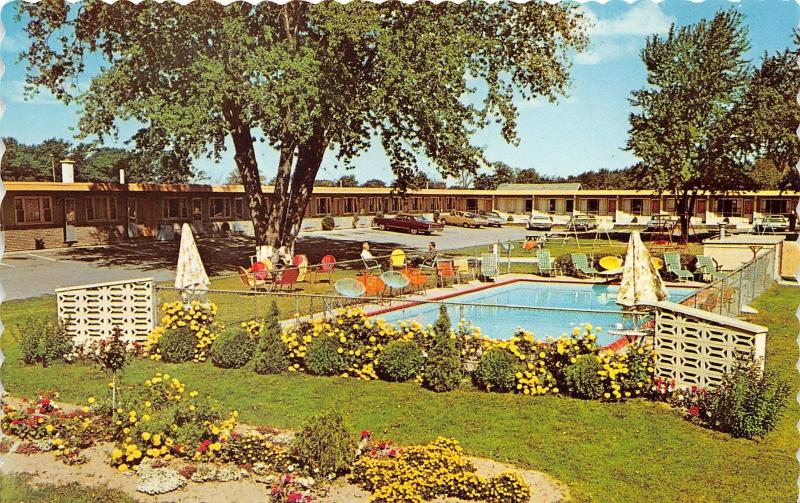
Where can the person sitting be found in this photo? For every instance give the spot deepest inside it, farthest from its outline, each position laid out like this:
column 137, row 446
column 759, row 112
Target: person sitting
column 370, row 262
column 429, row 258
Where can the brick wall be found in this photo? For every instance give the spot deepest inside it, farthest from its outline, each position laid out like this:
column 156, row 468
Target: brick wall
column 23, row 239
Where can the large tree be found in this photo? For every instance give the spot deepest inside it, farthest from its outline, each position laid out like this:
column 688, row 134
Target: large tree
column 686, row 128
column 308, row 79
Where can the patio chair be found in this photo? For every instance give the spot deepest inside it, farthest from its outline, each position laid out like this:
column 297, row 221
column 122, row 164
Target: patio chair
column 581, row 263
column 373, row 285
column 707, row 266
column 287, row 277
column 545, row 265
column 326, row 267
column 445, row 272
column 416, row 278
column 489, row 268
column 301, row 262
column 395, row 280
column 673, row 260
column 250, row 282
column 463, row 269
column 372, row 266
column 397, row 260
column 348, row 288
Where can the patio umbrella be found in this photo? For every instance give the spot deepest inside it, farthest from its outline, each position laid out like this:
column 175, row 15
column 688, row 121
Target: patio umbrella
column 191, row 274
column 641, row 283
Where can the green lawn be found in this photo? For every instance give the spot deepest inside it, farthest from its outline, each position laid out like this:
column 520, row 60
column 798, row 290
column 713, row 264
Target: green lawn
column 634, row 451
column 18, row 488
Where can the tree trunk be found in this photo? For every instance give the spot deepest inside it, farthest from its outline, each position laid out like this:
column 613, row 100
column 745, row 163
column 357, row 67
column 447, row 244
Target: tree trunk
column 682, row 198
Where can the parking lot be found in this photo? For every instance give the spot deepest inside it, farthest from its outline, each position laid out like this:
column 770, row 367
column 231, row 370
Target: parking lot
column 33, row 273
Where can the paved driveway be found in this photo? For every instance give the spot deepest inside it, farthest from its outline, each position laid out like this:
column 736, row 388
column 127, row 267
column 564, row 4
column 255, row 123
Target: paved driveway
column 35, row 273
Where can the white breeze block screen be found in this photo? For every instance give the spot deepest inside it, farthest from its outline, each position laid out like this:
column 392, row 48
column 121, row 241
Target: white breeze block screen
column 92, row 311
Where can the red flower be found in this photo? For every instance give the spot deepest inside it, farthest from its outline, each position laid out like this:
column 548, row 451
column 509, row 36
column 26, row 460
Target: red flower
column 392, row 453
column 364, row 434
column 382, row 445
column 373, row 453
column 287, row 479
column 694, row 411
column 294, row 498
column 694, row 389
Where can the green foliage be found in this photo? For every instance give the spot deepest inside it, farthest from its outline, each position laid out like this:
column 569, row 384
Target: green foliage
column 582, row 378
column 443, row 370
column 436, row 215
column 565, row 265
column 270, row 355
column 401, row 361
column 42, row 340
column 232, row 348
column 325, row 445
column 111, row 354
column 177, row 345
column 497, row 370
column 323, row 357
column 748, row 403
column 328, row 223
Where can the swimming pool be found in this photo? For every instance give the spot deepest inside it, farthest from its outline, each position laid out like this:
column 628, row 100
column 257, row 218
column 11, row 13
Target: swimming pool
column 498, row 322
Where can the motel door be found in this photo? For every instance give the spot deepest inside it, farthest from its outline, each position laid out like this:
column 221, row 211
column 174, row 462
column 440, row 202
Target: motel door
column 70, row 233
column 133, row 211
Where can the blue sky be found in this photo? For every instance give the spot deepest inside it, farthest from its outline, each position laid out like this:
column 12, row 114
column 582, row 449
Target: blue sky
column 586, row 130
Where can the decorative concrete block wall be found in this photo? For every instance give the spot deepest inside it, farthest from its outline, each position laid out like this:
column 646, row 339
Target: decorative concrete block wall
column 92, row 311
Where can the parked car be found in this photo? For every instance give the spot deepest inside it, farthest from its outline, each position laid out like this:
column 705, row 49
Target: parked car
column 414, row 224
column 772, row 223
column 493, row 218
column 463, row 219
column 582, row 223
column 540, row 223
column 660, row 223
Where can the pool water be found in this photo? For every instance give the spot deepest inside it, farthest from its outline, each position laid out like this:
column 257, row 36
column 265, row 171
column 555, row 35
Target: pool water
column 498, row 322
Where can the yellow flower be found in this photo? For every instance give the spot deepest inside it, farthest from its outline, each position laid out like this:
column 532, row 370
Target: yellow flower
column 123, row 467
column 49, row 428
column 145, row 436
column 91, row 400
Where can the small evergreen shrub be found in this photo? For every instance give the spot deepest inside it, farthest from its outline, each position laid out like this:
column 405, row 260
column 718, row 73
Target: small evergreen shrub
column 355, row 221
column 436, row 215
column 328, row 223
column 748, row 403
column 400, row 361
column 42, row 340
column 270, row 355
column 323, row 357
column 325, row 445
column 565, row 265
column 443, row 370
column 582, row 378
column 232, row 349
column 497, row 370
column 177, row 345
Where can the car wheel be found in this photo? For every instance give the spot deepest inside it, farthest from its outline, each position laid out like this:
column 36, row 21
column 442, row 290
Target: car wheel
column 443, row 221
column 382, row 227
column 414, row 231
column 465, row 225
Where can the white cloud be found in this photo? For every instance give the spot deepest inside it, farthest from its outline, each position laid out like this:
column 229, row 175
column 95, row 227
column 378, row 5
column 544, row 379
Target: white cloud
column 14, row 91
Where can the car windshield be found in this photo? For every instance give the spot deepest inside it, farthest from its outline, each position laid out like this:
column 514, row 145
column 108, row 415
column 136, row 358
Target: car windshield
column 420, row 219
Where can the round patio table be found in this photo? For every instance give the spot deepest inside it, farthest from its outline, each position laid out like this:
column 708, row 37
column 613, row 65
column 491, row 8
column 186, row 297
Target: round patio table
column 372, row 284
column 395, row 280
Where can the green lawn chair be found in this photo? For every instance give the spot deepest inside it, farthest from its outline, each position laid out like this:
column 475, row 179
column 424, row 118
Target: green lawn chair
column 545, row 264
column 673, row 261
column 581, row 263
column 706, row 265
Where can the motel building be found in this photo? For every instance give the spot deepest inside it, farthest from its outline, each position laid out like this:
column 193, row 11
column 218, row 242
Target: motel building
column 58, row 214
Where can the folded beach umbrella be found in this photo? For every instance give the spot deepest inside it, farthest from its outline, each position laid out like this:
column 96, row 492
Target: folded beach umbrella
column 191, row 274
column 641, row 284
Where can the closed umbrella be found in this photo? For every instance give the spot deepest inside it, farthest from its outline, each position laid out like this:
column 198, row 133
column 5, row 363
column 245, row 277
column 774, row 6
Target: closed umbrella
column 191, row 277
column 641, row 284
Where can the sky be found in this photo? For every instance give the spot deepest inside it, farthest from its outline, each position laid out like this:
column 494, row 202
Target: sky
column 585, row 130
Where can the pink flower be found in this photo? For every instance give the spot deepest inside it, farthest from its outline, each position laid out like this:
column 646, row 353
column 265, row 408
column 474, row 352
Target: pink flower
column 364, row 434
column 694, row 411
column 392, row 453
column 294, row 498
column 287, row 479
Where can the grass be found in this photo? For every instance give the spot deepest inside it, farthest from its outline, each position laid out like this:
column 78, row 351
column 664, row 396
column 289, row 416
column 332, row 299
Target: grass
column 19, row 488
column 633, row 451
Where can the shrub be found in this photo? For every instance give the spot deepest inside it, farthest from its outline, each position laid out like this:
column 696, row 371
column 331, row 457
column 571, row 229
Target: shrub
column 443, row 371
column 436, row 215
column 497, row 370
column 564, row 264
column 232, row 349
column 325, row 445
column 355, row 221
column 401, row 361
column 177, row 345
column 328, row 223
column 323, row 357
column 195, row 317
column 510, row 219
column 42, row 340
column 270, row 356
column 379, row 214
column 582, row 378
column 748, row 402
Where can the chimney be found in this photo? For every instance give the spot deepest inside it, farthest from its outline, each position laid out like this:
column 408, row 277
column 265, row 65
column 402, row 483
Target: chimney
column 122, row 176
column 67, row 171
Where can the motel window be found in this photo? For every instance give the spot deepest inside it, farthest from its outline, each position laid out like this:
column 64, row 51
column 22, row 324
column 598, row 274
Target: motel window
column 593, row 206
column 238, row 208
column 174, row 208
column 551, row 205
column 775, row 206
column 350, row 204
column 472, row 204
column 33, row 210
column 612, row 206
column 101, row 209
column 669, row 205
column 450, row 203
column 197, row 209
column 220, row 207
column 416, row 204
column 529, row 205
column 637, row 206
column 374, row 204
column 323, row 205
column 570, row 206
column 728, row 207
column 434, row 203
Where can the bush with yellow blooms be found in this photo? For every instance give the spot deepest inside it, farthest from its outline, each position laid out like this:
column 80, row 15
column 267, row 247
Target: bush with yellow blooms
column 195, row 317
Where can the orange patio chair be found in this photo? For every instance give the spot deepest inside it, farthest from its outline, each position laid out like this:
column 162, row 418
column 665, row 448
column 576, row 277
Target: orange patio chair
column 445, row 272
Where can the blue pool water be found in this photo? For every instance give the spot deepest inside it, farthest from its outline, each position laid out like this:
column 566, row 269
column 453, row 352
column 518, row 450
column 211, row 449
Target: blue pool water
column 499, row 322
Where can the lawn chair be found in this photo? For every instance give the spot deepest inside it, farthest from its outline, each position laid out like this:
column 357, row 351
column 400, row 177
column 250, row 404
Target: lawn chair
column 463, row 270
column 489, row 267
column 707, row 266
column 301, row 262
column 581, row 263
column 445, row 272
column 326, row 267
column 250, row 282
column 416, row 279
column 545, row 264
column 373, row 285
column 673, row 260
column 397, row 260
column 287, row 277
column 372, row 266
column 348, row 288
column 395, row 280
